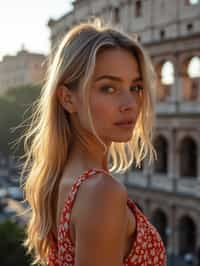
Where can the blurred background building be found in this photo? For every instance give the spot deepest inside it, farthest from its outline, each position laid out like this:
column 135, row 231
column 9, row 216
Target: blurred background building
column 169, row 191
column 24, row 68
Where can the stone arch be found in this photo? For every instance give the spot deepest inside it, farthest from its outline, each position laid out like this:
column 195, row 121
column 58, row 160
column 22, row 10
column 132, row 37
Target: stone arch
column 194, row 75
column 191, row 77
column 186, row 235
column 160, row 221
column 188, row 157
column 165, row 78
column 161, row 146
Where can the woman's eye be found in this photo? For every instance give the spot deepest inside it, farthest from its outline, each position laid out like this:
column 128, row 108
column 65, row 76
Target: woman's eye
column 137, row 88
column 108, row 89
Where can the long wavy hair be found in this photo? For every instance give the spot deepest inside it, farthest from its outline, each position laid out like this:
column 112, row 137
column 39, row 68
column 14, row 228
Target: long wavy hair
column 48, row 137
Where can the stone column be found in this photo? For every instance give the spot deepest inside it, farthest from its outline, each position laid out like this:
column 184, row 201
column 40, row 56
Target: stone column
column 172, row 232
column 173, row 160
column 172, row 154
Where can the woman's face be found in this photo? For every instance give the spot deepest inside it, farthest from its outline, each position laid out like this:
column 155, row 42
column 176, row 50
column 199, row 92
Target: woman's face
column 115, row 96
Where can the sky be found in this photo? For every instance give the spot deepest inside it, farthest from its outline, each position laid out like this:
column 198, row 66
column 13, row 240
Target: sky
column 24, row 23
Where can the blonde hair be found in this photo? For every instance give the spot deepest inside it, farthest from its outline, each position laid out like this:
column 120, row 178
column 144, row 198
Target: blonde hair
column 47, row 140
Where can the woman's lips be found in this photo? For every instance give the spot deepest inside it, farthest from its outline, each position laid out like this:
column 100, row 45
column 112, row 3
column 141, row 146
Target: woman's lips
column 125, row 124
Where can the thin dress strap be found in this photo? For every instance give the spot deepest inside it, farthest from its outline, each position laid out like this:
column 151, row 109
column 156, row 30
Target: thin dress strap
column 63, row 227
column 68, row 204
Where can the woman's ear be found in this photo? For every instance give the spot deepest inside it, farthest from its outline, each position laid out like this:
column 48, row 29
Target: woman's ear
column 66, row 99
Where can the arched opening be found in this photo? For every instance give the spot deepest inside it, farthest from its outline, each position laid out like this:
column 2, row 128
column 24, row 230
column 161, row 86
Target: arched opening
column 194, row 74
column 116, row 15
column 192, row 2
column 138, row 8
column 188, row 158
column 191, row 79
column 162, row 34
column 167, row 73
column 165, row 80
column 161, row 146
column 194, row 67
column 159, row 220
column 187, row 235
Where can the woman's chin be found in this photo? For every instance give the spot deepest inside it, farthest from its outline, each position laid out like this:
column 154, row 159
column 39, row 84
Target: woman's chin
column 126, row 138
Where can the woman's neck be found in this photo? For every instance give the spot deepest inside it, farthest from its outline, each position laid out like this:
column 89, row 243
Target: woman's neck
column 92, row 156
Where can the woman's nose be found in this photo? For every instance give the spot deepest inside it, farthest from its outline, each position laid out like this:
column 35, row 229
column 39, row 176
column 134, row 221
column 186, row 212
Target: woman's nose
column 128, row 103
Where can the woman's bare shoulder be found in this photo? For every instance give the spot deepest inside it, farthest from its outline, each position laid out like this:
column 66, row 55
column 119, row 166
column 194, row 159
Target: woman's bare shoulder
column 101, row 184
column 99, row 189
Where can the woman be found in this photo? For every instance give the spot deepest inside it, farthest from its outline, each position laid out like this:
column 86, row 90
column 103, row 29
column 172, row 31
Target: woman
column 94, row 117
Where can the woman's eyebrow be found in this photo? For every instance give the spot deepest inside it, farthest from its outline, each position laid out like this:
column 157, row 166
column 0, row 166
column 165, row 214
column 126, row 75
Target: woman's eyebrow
column 116, row 78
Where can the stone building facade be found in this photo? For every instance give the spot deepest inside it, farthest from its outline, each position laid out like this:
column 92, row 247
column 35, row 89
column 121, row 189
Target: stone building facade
column 169, row 191
column 24, row 68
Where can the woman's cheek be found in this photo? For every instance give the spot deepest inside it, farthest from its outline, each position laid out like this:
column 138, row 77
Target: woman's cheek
column 102, row 108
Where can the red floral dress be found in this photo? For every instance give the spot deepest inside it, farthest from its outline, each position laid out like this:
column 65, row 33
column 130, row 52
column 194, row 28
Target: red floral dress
column 148, row 248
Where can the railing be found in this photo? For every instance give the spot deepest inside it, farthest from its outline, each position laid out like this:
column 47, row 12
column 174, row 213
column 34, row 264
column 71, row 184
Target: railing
column 180, row 185
column 173, row 107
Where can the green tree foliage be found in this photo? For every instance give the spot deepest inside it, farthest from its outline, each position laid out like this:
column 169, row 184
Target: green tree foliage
column 15, row 107
column 12, row 252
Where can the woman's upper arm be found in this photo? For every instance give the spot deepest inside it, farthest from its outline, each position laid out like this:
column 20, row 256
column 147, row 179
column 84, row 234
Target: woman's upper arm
column 101, row 225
